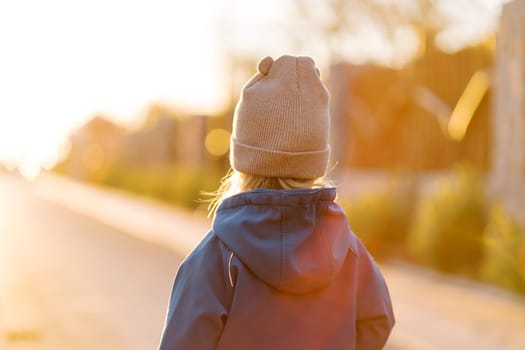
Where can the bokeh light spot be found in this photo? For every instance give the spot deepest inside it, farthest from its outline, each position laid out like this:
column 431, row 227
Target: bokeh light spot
column 217, row 142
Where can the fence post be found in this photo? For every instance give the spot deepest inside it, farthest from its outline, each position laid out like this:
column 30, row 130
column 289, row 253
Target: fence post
column 508, row 122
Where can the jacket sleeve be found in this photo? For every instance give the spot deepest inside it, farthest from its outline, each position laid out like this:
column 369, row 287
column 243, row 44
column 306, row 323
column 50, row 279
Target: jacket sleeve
column 200, row 300
column 375, row 317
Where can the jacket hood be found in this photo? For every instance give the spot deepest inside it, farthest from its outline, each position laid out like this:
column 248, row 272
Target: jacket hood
column 293, row 240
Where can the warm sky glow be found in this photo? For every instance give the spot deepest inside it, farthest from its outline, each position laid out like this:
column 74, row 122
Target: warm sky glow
column 63, row 61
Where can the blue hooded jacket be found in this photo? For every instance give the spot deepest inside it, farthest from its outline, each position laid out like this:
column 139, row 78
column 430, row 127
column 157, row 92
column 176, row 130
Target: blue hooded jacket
column 280, row 269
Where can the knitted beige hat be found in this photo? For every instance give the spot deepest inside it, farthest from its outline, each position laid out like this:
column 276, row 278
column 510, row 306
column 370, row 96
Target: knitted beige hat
column 281, row 122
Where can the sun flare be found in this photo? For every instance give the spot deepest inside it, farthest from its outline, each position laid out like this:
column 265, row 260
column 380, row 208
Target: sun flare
column 60, row 68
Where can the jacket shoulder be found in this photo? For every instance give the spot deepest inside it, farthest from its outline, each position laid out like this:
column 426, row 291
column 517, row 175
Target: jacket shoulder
column 209, row 256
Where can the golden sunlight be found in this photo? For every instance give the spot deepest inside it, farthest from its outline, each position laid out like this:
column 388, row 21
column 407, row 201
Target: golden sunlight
column 54, row 79
column 217, row 142
column 64, row 62
column 467, row 105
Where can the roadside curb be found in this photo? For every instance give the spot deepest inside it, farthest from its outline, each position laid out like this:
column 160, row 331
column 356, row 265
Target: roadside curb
column 140, row 217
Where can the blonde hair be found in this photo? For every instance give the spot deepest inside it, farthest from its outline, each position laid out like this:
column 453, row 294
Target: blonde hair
column 236, row 182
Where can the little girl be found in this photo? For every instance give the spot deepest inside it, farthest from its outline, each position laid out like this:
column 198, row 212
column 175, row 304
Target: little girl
column 280, row 268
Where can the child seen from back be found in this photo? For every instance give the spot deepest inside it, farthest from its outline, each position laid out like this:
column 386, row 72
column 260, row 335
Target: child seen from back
column 280, row 268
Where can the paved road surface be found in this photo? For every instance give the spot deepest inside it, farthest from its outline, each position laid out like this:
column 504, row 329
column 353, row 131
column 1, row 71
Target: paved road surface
column 69, row 282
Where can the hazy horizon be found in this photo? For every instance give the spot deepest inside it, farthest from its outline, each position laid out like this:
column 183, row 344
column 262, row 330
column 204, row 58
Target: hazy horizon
column 64, row 62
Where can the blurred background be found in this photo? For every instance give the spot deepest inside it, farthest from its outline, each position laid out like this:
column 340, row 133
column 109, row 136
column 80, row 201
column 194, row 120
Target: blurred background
column 115, row 118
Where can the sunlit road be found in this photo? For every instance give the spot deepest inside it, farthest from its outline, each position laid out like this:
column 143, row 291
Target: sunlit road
column 68, row 282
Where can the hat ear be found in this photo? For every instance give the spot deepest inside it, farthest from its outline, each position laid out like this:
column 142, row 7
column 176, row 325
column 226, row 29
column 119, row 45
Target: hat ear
column 264, row 65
